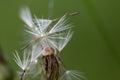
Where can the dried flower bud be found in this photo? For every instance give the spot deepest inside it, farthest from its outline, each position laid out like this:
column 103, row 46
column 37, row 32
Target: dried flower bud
column 48, row 51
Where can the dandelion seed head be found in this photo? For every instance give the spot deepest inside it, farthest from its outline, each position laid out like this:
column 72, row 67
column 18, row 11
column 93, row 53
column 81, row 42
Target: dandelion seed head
column 47, row 38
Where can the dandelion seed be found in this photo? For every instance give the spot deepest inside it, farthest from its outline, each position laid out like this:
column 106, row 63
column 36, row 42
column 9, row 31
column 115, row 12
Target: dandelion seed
column 71, row 75
column 22, row 63
column 25, row 15
column 29, row 62
column 42, row 31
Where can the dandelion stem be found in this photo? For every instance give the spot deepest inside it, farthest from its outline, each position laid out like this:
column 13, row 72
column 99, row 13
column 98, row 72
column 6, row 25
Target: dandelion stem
column 22, row 75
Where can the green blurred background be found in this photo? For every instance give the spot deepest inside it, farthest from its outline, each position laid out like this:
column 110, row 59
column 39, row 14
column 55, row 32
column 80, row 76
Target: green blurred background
column 95, row 46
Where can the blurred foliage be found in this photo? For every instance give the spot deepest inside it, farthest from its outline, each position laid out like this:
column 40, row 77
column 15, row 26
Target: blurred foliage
column 6, row 72
column 95, row 46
